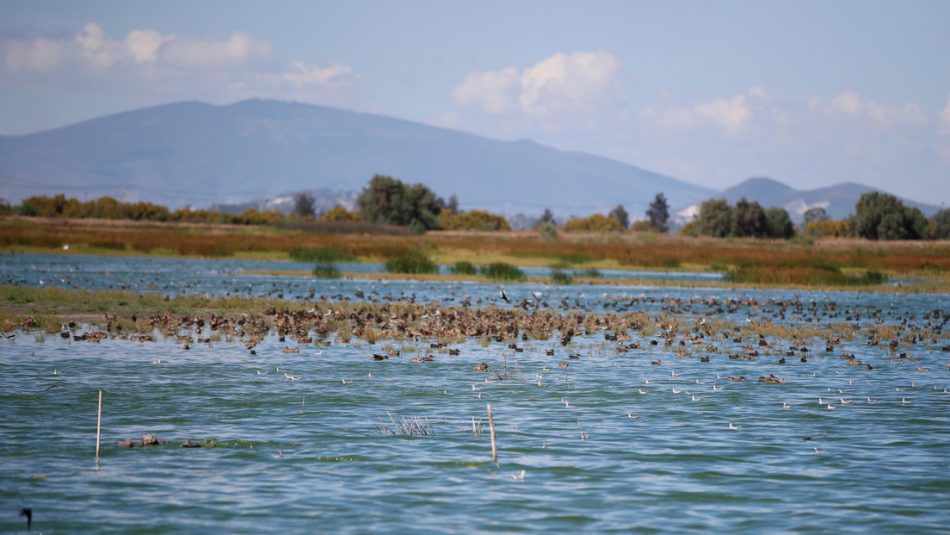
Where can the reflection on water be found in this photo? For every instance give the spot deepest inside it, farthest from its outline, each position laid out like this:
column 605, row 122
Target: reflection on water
column 609, row 442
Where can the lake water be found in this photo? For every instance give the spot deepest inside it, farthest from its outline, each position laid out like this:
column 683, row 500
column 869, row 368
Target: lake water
column 611, row 442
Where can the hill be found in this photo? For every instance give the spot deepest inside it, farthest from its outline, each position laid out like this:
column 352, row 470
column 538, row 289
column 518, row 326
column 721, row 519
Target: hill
column 838, row 200
column 192, row 153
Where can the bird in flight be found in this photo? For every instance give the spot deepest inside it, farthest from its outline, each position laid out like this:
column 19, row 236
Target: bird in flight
column 504, row 296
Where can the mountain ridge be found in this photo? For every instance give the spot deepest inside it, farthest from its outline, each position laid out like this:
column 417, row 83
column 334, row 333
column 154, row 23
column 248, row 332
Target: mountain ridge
column 200, row 154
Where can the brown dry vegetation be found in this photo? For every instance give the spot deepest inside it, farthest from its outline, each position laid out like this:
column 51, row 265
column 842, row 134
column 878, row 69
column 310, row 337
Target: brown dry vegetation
column 664, row 252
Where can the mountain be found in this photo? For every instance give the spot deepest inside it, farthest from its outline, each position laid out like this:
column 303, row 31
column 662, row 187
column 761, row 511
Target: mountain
column 838, row 200
column 200, row 154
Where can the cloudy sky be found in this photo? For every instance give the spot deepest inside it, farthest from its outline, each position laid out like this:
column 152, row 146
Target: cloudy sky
column 809, row 93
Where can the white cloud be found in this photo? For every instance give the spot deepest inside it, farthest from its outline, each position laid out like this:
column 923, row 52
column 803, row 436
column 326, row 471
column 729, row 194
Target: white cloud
column 32, row 56
column 143, row 45
column 563, row 88
column 158, row 67
column 726, row 115
column 849, row 104
column 307, row 75
column 944, row 118
column 238, row 49
column 494, row 92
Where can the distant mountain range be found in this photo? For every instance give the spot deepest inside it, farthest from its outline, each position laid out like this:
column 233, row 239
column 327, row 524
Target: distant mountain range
column 838, row 200
column 200, row 154
column 259, row 153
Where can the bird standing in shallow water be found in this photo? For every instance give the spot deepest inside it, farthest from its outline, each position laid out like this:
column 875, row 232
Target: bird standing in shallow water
column 28, row 513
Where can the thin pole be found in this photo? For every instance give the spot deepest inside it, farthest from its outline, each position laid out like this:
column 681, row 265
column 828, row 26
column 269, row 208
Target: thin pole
column 491, row 427
column 99, row 425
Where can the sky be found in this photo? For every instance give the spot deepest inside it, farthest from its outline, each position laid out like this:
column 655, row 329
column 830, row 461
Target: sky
column 808, row 93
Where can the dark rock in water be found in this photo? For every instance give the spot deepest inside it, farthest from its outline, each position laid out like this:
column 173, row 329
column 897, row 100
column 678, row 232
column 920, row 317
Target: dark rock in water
column 207, row 443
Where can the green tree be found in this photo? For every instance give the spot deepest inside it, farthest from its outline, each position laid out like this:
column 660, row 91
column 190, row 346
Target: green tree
column 659, row 213
column 547, row 217
column 303, row 205
column 882, row 216
column 940, row 225
column 620, row 214
column 390, row 201
column 748, row 220
column 715, row 218
column 816, row 214
column 778, row 223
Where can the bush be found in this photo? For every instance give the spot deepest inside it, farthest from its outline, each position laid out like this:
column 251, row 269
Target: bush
column 594, row 223
column 547, row 230
column 322, row 255
column 326, row 271
column 559, row 277
column 473, row 220
column 502, row 271
column 464, row 268
column 830, row 228
column 411, row 262
column 591, row 273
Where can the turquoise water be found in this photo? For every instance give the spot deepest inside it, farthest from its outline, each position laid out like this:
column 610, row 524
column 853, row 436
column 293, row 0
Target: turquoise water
column 611, row 442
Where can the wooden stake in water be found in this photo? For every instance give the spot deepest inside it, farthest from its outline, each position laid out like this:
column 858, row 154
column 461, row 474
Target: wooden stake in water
column 99, row 425
column 491, row 428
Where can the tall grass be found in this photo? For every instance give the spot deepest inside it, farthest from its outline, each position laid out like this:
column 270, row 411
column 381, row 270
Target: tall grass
column 502, row 271
column 809, row 274
column 464, row 268
column 326, row 271
column 323, row 254
column 411, row 261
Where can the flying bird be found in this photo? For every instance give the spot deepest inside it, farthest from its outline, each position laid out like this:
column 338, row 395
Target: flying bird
column 504, row 296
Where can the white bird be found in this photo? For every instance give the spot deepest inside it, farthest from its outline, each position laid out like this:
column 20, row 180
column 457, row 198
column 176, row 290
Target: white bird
column 822, row 402
column 260, row 372
column 518, row 477
column 673, row 374
column 785, row 405
column 830, row 407
column 696, row 398
column 734, row 427
column 845, row 401
column 346, row 381
column 870, row 400
column 905, row 401
column 55, row 371
column 675, row 391
column 642, row 391
column 632, row 416
column 715, row 388
column 291, row 377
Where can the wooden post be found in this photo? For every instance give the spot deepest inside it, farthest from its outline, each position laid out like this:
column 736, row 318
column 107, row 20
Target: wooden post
column 491, row 428
column 99, row 425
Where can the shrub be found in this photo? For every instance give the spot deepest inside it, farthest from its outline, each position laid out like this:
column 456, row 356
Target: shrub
column 594, row 223
column 940, row 225
column 591, row 273
column 830, row 228
column 464, row 268
column 502, row 271
column 320, row 254
column 714, row 219
column 559, row 277
column 411, row 262
column 547, row 230
column 326, row 271
column 473, row 220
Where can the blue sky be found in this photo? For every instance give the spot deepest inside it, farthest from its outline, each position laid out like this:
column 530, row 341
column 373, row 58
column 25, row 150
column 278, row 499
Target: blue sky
column 810, row 93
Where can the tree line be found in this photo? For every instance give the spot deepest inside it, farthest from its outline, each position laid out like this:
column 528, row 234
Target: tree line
column 390, row 201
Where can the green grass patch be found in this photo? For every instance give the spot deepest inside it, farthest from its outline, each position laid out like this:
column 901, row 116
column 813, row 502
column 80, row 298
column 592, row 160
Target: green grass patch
column 502, row 271
column 411, row 262
column 590, row 273
column 464, row 268
column 560, row 277
column 323, row 255
column 326, row 271
column 812, row 274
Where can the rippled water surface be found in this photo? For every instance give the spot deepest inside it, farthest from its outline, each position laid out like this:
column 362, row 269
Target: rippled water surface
column 611, row 441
